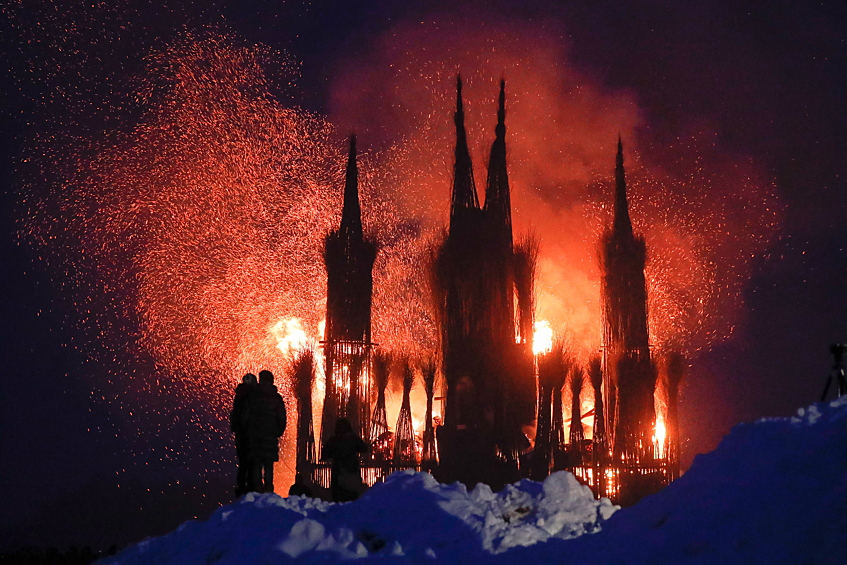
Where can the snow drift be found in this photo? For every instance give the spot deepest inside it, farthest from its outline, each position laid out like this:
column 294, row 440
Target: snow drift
column 410, row 516
column 774, row 491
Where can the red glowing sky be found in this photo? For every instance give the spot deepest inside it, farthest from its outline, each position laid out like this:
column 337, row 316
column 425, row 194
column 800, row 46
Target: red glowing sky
column 704, row 222
column 214, row 206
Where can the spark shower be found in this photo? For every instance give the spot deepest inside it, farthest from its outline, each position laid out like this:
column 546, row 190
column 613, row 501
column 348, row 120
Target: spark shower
column 192, row 234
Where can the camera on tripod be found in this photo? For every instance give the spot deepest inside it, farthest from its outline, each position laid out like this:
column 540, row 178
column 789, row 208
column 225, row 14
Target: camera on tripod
column 838, row 350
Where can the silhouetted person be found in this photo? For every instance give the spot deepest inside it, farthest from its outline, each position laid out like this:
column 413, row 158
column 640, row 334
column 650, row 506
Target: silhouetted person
column 238, row 426
column 265, row 425
column 300, row 487
column 344, row 449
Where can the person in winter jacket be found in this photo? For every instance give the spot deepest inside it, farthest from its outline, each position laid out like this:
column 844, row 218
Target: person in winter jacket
column 238, row 426
column 265, row 425
column 344, row 449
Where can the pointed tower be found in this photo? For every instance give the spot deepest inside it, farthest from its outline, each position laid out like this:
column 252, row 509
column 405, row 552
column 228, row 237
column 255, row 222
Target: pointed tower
column 349, row 260
column 509, row 274
column 464, row 197
column 498, row 202
column 629, row 375
column 459, row 279
column 498, row 210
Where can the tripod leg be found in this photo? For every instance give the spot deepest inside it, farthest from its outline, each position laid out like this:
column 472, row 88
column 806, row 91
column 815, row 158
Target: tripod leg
column 826, row 388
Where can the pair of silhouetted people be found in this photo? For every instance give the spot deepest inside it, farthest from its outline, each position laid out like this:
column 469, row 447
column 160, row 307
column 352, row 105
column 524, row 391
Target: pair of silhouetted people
column 258, row 421
column 343, row 449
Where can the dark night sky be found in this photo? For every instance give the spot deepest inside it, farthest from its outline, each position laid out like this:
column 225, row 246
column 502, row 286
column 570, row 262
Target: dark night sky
column 770, row 78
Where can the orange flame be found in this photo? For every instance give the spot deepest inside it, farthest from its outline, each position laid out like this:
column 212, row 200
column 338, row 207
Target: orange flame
column 290, row 336
column 542, row 338
column 659, row 436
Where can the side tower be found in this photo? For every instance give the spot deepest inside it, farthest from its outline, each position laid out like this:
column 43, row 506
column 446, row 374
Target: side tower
column 629, row 375
column 349, row 260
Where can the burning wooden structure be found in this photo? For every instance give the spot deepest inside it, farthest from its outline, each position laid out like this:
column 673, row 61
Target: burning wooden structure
column 493, row 386
column 629, row 455
column 352, row 368
column 629, row 374
column 349, row 260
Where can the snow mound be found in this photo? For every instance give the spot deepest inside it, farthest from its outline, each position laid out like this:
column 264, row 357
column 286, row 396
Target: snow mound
column 774, row 491
column 409, row 517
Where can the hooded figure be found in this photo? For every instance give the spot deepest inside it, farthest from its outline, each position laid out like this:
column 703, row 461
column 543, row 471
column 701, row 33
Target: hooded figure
column 238, row 426
column 344, row 449
column 265, row 425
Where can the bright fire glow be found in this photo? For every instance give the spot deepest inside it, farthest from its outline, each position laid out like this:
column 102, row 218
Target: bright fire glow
column 542, row 338
column 659, row 438
column 290, row 336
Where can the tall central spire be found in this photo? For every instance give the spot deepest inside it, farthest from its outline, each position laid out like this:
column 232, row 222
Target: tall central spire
column 497, row 198
column 351, row 213
column 464, row 187
column 623, row 224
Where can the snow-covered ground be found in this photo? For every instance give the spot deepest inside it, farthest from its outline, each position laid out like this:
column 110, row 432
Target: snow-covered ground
column 773, row 492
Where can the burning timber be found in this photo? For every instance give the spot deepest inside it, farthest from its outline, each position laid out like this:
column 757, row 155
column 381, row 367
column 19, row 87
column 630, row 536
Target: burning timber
column 492, row 385
column 349, row 262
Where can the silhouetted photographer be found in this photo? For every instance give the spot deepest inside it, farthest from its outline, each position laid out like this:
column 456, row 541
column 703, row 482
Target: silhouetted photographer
column 837, row 373
column 344, row 448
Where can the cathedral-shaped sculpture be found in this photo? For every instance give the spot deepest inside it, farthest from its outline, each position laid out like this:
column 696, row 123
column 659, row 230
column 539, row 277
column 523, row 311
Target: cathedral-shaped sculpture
column 506, row 413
